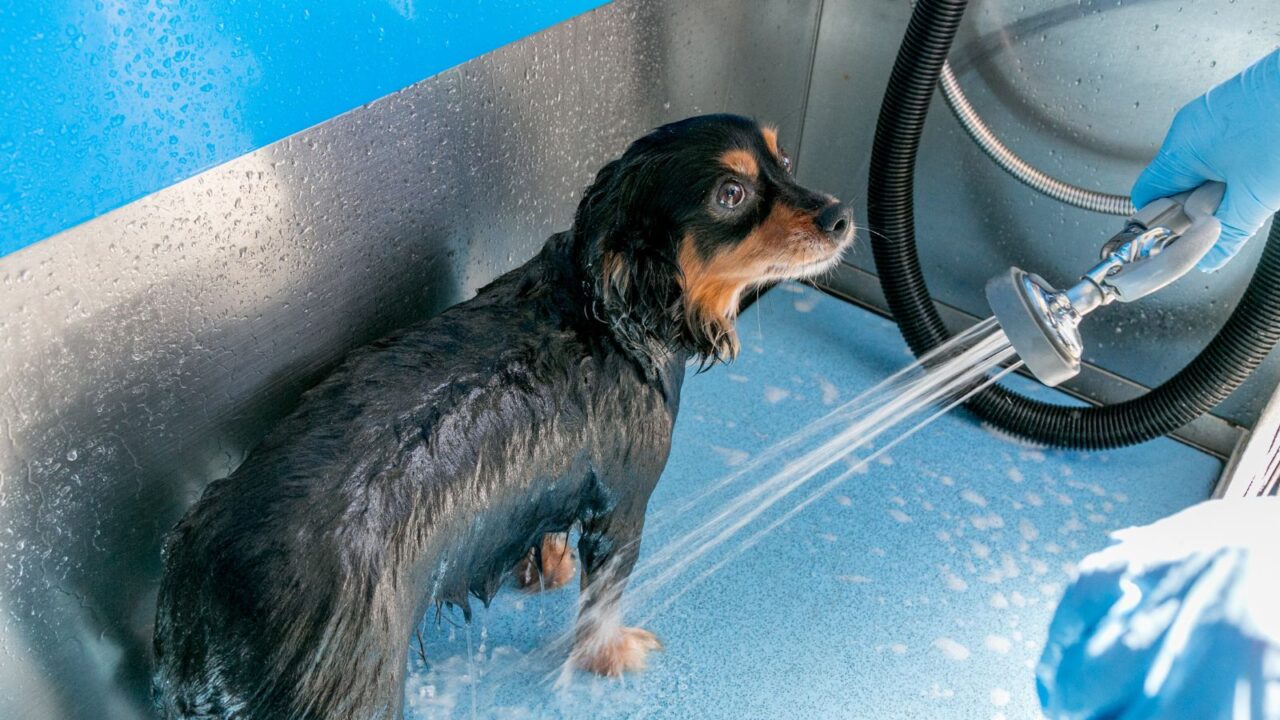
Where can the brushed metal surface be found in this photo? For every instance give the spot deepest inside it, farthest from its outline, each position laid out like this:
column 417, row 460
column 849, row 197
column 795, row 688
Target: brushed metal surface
column 143, row 353
column 1083, row 90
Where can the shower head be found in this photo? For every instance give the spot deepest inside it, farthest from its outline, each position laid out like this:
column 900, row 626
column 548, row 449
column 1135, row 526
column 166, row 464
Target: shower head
column 1159, row 244
column 1040, row 323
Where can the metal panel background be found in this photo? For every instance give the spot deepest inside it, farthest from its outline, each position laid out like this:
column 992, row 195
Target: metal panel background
column 1083, row 90
column 144, row 352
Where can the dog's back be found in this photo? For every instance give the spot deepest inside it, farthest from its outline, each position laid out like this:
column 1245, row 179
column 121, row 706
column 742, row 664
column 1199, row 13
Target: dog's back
column 430, row 462
column 419, row 472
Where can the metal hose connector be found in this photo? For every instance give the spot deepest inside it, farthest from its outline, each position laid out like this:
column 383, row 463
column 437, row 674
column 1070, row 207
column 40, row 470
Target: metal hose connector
column 1020, row 169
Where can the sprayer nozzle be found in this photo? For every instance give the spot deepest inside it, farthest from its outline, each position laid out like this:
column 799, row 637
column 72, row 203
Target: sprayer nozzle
column 1160, row 244
column 1040, row 322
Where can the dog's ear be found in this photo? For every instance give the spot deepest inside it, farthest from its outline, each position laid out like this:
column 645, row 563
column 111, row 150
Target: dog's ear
column 632, row 248
column 649, row 281
column 601, row 223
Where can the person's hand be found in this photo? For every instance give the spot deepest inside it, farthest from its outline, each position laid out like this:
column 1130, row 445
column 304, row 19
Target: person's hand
column 1230, row 134
column 1180, row 619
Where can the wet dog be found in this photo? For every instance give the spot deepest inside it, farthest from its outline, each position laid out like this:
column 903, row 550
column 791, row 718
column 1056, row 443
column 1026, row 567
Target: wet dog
column 431, row 461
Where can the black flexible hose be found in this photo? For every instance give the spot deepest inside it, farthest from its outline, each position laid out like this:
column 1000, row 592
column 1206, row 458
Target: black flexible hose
column 1244, row 341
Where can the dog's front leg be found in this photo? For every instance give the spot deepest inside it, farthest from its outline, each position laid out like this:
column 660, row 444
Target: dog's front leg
column 548, row 566
column 609, row 547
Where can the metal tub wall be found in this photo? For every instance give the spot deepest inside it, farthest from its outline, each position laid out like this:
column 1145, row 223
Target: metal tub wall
column 1083, row 90
column 144, row 352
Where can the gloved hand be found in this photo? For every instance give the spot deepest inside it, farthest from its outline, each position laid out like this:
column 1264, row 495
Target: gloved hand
column 1179, row 620
column 1230, row 134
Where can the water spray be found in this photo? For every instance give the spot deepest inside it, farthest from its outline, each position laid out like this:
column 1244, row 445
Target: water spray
column 1160, row 243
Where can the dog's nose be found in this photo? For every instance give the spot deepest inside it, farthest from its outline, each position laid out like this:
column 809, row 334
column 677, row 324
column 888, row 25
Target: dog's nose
column 835, row 220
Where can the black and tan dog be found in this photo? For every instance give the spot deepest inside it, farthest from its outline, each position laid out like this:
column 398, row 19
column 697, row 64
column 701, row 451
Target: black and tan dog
column 431, row 461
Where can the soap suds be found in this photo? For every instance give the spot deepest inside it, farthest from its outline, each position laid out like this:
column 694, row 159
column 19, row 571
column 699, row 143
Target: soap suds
column 952, row 649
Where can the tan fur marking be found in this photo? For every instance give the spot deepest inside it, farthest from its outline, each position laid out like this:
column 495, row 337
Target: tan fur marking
column 742, row 162
column 781, row 247
column 557, row 568
column 625, row 652
column 612, row 270
column 771, row 140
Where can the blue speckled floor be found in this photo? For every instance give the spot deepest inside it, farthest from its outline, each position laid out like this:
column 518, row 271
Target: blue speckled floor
column 919, row 589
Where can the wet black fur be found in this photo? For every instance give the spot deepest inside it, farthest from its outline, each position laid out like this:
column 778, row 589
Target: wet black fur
column 430, row 461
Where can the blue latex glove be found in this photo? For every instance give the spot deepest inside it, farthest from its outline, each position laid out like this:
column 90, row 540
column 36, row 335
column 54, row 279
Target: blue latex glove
column 1180, row 620
column 1230, row 134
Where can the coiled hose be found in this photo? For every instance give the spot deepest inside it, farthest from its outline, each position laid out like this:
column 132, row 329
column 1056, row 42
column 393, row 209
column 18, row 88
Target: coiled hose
column 1239, row 347
column 1023, row 171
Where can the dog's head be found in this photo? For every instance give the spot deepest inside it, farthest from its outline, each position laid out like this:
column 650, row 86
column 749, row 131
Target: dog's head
column 690, row 218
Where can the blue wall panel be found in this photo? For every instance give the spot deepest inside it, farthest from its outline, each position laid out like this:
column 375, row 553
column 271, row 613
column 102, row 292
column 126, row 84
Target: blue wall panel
column 104, row 102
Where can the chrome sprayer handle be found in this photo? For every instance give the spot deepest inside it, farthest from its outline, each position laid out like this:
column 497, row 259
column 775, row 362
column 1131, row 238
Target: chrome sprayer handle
column 1160, row 243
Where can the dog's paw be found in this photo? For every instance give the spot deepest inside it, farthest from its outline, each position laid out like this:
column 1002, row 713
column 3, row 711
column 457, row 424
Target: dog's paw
column 626, row 651
column 558, row 565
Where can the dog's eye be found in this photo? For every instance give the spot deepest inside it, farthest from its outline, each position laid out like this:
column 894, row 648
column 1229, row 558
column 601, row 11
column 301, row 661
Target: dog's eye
column 730, row 194
column 786, row 162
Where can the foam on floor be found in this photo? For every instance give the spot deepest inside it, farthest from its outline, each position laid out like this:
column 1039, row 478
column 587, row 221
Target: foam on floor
column 920, row 588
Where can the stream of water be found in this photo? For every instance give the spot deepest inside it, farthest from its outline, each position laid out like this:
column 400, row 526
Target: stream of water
column 736, row 512
column 783, row 477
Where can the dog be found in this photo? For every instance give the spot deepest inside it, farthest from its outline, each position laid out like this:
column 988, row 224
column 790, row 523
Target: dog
column 424, row 468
